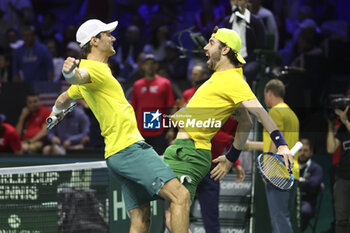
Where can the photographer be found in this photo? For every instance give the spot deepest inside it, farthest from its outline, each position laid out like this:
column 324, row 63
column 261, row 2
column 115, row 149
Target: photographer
column 341, row 191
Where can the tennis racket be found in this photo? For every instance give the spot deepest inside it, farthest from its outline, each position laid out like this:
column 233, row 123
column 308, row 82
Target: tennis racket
column 52, row 121
column 273, row 170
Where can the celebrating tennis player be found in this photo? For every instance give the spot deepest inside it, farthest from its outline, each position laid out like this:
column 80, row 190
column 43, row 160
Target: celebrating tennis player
column 137, row 167
column 225, row 93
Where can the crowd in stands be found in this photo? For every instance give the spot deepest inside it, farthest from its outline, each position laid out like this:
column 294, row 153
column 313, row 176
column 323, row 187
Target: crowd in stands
column 38, row 35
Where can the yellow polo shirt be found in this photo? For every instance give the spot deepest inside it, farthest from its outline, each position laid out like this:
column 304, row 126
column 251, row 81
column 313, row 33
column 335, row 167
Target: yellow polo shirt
column 106, row 99
column 211, row 105
column 287, row 122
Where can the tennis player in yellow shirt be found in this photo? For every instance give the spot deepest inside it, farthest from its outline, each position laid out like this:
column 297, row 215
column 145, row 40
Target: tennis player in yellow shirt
column 279, row 202
column 137, row 167
column 225, row 93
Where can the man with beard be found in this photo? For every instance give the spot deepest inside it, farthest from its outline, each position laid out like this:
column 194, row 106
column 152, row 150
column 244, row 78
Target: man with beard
column 224, row 94
column 310, row 179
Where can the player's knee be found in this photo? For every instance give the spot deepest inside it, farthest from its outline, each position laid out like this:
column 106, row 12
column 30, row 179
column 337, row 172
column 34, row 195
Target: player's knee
column 183, row 196
column 141, row 217
column 141, row 223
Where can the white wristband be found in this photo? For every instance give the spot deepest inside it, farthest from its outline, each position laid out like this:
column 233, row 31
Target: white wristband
column 68, row 75
column 55, row 110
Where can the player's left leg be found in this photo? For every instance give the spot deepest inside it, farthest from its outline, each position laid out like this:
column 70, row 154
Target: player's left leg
column 140, row 219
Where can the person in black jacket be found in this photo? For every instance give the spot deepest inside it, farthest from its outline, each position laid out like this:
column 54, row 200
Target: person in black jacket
column 341, row 188
column 310, row 179
column 252, row 33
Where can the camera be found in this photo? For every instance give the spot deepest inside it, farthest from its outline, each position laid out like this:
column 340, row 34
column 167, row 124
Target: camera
column 337, row 102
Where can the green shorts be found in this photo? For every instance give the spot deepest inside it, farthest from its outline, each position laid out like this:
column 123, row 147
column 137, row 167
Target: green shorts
column 140, row 172
column 189, row 164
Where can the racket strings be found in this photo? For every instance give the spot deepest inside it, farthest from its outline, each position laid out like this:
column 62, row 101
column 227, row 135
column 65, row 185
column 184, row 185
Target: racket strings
column 275, row 171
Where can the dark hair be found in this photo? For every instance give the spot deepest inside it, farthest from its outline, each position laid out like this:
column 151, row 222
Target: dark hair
column 308, row 141
column 32, row 93
column 231, row 55
column 277, row 87
column 86, row 49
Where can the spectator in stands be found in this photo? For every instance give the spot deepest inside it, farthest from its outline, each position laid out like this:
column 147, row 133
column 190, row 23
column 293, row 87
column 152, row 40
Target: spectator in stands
column 13, row 41
column 147, row 9
column 135, row 75
column 9, row 138
column 310, row 179
column 176, row 65
column 48, row 28
column 69, row 34
column 73, row 50
column 200, row 73
column 72, row 133
column 288, row 122
column 57, row 60
column 31, row 124
column 5, row 71
column 252, row 33
column 152, row 93
column 129, row 49
column 306, row 46
column 208, row 189
column 157, row 44
column 266, row 16
column 16, row 13
column 206, row 19
column 33, row 59
column 341, row 190
column 305, row 21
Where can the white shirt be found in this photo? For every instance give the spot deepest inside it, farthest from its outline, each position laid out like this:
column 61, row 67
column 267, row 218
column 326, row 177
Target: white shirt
column 240, row 28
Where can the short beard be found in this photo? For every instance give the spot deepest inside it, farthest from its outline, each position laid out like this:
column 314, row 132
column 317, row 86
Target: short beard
column 214, row 59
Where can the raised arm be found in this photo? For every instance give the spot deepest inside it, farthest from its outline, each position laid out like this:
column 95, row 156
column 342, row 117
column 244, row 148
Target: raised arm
column 332, row 142
column 73, row 74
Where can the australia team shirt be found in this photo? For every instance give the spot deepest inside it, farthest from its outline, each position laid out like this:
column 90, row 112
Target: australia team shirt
column 106, row 99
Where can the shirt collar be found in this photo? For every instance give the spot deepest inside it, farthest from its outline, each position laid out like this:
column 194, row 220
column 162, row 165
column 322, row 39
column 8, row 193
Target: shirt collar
column 245, row 16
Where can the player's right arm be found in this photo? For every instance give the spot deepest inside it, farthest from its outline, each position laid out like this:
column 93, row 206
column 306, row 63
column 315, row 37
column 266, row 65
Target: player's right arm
column 73, row 74
column 63, row 101
column 255, row 108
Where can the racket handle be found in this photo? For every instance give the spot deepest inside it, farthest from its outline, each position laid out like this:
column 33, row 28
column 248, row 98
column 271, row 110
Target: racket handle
column 51, row 119
column 296, row 147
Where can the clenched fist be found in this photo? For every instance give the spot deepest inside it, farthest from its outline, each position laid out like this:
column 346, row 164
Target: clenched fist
column 69, row 65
